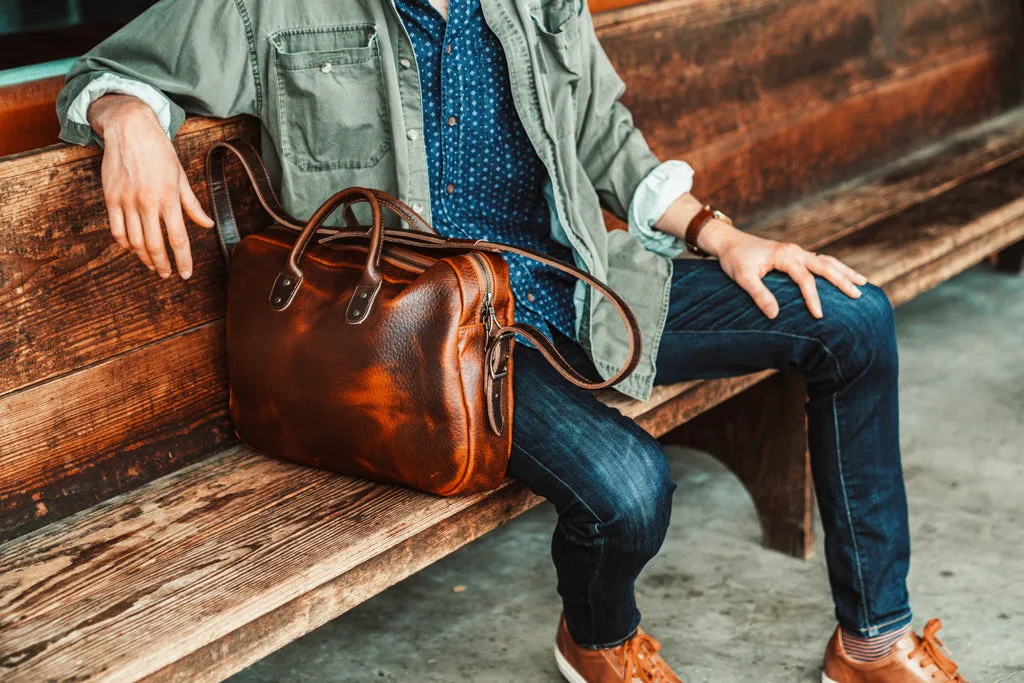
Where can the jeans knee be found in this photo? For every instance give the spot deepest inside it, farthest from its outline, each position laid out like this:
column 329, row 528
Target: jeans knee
column 860, row 333
column 636, row 505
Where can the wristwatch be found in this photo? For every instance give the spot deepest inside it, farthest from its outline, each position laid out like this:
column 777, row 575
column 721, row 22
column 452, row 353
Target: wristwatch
column 697, row 223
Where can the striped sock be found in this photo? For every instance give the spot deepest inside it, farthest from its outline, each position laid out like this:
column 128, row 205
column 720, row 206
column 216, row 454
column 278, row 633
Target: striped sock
column 861, row 649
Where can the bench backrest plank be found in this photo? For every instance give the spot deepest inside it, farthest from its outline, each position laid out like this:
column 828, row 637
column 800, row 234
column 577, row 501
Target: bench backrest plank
column 768, row 99
column 771, row 99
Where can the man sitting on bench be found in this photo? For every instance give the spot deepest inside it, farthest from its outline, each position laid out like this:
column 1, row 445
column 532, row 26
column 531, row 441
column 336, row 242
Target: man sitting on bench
column 523, row 141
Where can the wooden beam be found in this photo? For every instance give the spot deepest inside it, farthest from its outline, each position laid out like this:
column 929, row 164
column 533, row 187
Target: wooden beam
column 1011, row 259
column 761, row 435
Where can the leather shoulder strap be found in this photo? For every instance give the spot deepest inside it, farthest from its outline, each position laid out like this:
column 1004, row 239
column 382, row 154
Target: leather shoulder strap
column 424, row 237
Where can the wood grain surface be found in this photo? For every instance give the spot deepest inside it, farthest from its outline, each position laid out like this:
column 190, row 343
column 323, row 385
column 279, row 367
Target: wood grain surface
column 191, row 558
column 70, row 295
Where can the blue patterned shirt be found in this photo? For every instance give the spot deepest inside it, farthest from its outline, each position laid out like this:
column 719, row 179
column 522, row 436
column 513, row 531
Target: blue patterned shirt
column 486, row 179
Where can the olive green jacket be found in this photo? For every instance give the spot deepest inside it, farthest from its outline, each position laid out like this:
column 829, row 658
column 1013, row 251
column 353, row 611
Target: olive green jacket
column 362, row 126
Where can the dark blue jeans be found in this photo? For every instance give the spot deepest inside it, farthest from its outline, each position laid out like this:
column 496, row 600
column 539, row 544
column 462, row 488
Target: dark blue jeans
column 609, row 479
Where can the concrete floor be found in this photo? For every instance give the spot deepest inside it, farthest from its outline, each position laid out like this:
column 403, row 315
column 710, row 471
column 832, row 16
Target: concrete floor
column 725, row 609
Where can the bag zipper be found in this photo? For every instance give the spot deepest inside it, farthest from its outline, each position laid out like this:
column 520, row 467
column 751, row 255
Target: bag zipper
column 487, row 310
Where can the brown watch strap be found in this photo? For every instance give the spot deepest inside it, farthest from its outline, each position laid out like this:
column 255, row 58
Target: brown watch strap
column 697, row 224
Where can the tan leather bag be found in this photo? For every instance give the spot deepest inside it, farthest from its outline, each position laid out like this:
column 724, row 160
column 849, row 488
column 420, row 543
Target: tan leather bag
column 385, row 354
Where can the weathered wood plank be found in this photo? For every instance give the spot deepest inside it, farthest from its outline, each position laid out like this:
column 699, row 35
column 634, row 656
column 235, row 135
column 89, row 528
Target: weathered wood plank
column 29, row 114
column 199, row 554
column 889, row 189
column 949, row 225
column 759, row 169
column 272, row 631
column 70, row 443
column 70, row 295
column 936, row 272
column 699, row 69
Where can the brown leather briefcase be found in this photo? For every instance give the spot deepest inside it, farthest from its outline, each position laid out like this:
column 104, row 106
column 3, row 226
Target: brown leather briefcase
column 384, row 354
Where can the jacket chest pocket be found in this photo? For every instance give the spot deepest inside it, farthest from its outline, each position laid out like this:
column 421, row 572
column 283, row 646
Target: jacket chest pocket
column 557, row 49
column 331, row 104
column 556, row 25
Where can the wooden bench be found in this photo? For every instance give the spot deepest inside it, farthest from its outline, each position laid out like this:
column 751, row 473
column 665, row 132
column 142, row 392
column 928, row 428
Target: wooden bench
column 142, row 542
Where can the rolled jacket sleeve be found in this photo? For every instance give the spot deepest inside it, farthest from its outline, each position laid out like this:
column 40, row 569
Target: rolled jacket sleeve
column 177, row 56
column 611, row 149
column 655, row 193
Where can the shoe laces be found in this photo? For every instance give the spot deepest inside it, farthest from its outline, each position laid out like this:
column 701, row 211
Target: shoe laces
column 934, row 653
column 639, row 659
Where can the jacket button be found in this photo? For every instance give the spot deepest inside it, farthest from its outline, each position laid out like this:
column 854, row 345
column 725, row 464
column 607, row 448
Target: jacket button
column 450, row 188
column 530, row 297
column 448, row 49
column 411, row 134
column 417, row 207
column 405, row 63
column 325, row 68
column 451, row 120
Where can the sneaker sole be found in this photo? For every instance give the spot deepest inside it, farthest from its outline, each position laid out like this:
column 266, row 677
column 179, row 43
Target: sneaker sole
column 826, row 679
column 565, row 668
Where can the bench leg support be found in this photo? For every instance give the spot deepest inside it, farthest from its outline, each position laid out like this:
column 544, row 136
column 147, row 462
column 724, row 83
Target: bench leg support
column 761, row 435
column 1011, row 259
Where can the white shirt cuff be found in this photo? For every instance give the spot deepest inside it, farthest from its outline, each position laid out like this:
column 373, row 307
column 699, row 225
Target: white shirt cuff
column 655, row 193
column 112, row 83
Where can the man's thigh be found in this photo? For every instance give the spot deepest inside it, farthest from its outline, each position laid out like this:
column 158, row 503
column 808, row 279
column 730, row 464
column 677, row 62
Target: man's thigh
column 714, row 329
column 570, row 447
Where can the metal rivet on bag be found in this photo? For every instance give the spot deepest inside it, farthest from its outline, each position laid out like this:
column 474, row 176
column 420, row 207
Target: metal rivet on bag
column 356, row 313
column 277, row 300
column 286, row 282
column 363, row 295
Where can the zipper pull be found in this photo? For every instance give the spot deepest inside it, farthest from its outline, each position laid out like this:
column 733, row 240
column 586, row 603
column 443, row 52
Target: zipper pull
column 487, row 315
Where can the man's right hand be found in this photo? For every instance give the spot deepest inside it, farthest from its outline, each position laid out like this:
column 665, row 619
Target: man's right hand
column 144, row 184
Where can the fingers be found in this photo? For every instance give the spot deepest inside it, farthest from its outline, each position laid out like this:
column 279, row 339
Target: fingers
column 831, row 272
column 190, row 203
column 762, row 296
column 154, row 240
column 857, row 277
column 177, row 237
column 133, row 228
column 793, row 260
column 116, row 215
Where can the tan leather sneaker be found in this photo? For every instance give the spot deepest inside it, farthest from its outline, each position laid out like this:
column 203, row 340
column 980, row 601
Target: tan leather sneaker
column 911, row 660
column 635, row 661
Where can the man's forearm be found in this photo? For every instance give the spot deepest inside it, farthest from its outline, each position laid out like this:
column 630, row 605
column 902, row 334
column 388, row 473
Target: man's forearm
column 114, row 109
column 712, row 238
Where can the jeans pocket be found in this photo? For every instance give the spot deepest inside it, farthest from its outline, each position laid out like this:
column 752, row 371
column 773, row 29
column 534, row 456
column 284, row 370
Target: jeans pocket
column 331, row 98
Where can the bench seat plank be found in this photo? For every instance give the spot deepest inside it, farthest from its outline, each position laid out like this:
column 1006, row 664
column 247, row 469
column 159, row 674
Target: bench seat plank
column 197, row 554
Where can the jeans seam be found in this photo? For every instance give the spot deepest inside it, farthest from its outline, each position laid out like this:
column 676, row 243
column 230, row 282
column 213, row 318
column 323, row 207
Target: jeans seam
column 867, row 629
column 849, row 515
